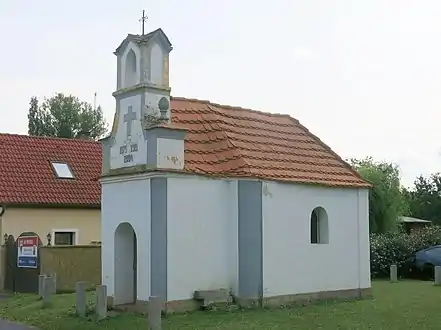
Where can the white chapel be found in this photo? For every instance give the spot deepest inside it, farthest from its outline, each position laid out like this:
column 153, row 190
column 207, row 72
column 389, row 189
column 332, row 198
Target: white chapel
column 200, row 197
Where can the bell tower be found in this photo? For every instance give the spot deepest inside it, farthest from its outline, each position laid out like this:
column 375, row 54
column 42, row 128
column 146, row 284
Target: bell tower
column 143, row 59
column 142, row 96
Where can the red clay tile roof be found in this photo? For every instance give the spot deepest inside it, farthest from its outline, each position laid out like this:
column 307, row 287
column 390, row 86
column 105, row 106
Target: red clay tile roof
column 220, row 141
column 232, row 141
column 27, row 176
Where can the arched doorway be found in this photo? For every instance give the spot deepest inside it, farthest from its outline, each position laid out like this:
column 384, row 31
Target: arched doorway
column 125, row 267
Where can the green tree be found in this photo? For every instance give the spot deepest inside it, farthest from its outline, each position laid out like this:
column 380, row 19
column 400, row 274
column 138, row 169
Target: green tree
column 66, row 117
column 386, row 199
column 425, row 198
column 34, row 123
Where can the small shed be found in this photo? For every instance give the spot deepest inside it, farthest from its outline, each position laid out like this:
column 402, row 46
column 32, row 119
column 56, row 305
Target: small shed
column 409, row 224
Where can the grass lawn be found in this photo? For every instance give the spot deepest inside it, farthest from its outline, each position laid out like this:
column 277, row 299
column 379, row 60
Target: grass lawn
column 404, row 305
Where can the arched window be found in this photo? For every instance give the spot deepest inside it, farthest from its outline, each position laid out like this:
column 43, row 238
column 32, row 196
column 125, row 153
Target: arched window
column 156, row 65
column 130, row 69
column 319, row 226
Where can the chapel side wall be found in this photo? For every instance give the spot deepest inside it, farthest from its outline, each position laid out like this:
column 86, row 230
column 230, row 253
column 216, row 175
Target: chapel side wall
column 127, row 201
column 202, row 248
column 291, row 264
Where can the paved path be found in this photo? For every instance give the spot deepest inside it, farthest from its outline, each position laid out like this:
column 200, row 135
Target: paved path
column 10, row 326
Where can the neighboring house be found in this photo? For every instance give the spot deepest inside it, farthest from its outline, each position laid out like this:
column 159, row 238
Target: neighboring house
column 200, row 196
column 409, row 224
column 50, row 186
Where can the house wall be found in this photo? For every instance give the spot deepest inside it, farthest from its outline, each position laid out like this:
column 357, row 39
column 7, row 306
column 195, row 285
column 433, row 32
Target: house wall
column 86, row 222
column 291, row 264
column 201, row 235
column 126, row 202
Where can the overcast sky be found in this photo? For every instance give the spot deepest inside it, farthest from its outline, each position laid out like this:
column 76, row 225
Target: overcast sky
column 364, row 75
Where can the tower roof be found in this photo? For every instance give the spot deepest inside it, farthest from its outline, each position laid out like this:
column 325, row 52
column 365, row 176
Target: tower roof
column 143, row 39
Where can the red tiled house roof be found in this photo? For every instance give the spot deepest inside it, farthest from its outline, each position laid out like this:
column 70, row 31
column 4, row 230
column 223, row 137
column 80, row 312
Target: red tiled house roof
column 220, row 141
column 27, row 175
column 232, row 141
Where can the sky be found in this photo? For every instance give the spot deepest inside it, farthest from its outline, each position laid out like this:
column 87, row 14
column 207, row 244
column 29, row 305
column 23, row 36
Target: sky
column 365, row 76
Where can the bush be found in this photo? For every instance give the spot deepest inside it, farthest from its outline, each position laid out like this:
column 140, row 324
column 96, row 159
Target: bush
column 395, row 248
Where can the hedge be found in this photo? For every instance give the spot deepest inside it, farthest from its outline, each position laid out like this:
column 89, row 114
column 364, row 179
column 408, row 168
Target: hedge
column 395, row 248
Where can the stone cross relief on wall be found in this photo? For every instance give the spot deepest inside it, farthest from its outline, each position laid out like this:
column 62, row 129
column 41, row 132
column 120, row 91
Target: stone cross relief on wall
column 128, row 148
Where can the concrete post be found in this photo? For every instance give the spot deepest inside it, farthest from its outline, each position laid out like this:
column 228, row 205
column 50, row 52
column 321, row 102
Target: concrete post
column 393, row 273
column 54, row 283
column 80, row 298
column 47, row 291
column 437, row 275
column 41, row 285
column 101, row 302
column 154, row 313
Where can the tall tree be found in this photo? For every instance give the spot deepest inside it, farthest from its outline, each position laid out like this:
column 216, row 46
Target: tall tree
column 386, row 200
column 66, row 117
column 425, row 198
column 34, row 121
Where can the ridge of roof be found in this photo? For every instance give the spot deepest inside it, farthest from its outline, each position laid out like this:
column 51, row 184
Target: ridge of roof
column 48, row 138
column 234, row 107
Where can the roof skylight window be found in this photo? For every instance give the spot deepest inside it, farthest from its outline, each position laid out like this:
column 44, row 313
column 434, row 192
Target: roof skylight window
column 62, row 170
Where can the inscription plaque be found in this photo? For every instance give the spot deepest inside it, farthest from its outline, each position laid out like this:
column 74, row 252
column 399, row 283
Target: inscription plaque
column 128, row 158
column 129, row 147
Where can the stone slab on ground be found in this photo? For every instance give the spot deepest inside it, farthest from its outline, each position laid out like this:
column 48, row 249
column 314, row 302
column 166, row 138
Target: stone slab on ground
column 208, row 297
column 4, row 325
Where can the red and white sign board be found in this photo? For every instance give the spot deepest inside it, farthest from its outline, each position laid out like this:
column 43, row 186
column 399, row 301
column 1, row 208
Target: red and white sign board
column 27, row 251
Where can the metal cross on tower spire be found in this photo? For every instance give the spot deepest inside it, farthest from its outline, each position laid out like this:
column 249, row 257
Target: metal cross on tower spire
column 143, row 20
